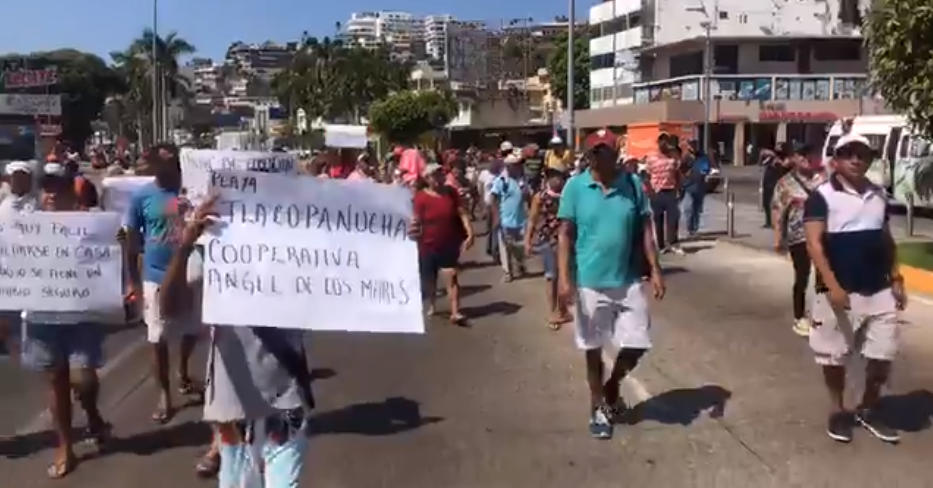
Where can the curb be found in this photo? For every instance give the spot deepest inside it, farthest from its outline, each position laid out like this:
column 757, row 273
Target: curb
column 917, row 281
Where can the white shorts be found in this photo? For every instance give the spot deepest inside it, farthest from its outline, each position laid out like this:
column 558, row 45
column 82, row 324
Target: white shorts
column 615, row 317
column 158, row 328
column 870, row 327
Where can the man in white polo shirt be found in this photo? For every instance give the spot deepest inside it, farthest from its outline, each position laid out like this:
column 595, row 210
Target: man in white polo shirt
column 848, row 239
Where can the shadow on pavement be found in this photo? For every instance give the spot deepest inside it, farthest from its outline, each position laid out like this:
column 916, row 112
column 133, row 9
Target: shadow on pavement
column 467, row 290
column 492, row 308
column 672, row 270
column 186, row 434
column 910, row 412
column 476, row 264
column 683, row 406
column 322, row 374
column 693, row 249
column 23, row 446
column 390, row 416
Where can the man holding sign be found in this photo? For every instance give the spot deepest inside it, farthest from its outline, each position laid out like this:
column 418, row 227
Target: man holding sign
column 155, row 219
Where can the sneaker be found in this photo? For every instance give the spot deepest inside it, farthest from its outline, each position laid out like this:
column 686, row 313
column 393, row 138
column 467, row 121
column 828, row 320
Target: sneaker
column 839, row 427
column 678, row 250
column 873, row 423
column 802, row 327
column 600, row 425
column 616, row 411
column 666, row 250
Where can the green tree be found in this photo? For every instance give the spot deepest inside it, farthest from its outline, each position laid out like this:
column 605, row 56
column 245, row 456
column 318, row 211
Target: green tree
column 405, row 116
column 557, row 67
column 331, row 80
column 899, row 38
column 84, row 81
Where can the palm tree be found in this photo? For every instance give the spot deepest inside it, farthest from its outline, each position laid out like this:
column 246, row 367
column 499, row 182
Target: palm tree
column 168, row 50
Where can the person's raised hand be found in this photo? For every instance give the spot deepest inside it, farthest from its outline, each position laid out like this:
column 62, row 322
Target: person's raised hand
column 201, row 217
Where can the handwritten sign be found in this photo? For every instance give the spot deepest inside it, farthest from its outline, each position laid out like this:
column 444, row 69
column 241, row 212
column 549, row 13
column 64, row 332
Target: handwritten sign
column 346, row 136
column 310, row 253
column 61, row 262
column 118, row 190
column 197, row 165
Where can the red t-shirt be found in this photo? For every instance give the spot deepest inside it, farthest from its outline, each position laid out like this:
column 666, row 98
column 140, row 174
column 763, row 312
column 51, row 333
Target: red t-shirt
column 439, row 215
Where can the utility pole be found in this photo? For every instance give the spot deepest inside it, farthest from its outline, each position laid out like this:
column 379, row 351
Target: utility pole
column 156, row 92
column 571, row 25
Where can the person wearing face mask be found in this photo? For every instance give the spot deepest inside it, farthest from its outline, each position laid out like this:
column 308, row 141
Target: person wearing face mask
column 787, row 205
column 850, row 242
column 541, row 238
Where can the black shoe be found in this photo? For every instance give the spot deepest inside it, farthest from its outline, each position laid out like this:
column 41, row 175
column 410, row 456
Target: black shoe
column 840, row 426
column 873, row 423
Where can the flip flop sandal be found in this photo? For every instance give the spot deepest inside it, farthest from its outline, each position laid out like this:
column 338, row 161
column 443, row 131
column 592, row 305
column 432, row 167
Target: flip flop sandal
column 162, row 416
column 208, row 466
column 189, row 387
column 61, row 468
column 459, row 320
column 554, row 326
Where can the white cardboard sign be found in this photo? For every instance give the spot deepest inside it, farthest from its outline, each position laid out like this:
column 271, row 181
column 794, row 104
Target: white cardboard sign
column 61, row 262
column 311, row 253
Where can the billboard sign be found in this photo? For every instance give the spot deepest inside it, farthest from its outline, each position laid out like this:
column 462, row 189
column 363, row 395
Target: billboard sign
column 28, row 78
column 28, row 104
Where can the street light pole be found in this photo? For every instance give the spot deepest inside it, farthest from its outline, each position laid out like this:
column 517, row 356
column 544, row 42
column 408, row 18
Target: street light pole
column 707, row 86
column 156, row 98
column 571, row 25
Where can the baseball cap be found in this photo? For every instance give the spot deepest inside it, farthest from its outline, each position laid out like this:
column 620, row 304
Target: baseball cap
column 54, row 169
column 851, row 139
column 556, row 140
column 506, row 146
column 15, row 166
column 602, row 137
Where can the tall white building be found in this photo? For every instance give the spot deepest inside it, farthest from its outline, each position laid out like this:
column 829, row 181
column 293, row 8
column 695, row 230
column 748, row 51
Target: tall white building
column 779, row 69
column 398, row 30
column 435, row 35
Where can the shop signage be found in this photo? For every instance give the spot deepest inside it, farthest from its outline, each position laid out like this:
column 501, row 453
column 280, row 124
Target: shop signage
column 27, row 104
column 28, row 78
column 779, row 112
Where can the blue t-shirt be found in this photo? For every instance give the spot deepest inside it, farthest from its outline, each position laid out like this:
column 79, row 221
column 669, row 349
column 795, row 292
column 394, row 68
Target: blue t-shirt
column 158, row 215
column 511, row 193
column 606, row 228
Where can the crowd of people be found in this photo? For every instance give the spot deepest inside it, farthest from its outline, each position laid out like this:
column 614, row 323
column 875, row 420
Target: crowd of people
column 598, row 222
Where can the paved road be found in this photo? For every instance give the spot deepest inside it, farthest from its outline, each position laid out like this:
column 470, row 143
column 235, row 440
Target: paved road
column 728, row 398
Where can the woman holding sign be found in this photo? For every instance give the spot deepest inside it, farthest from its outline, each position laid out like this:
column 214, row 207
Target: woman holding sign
column 59, row 342
column 446, row 232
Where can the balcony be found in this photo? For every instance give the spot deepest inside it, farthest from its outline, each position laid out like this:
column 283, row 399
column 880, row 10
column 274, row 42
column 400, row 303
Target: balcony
column 762, row 88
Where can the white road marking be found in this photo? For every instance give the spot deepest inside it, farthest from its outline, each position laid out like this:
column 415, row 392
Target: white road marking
column 44, row 419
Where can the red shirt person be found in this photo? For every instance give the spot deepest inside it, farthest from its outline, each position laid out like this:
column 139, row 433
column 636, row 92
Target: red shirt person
column 445, row 232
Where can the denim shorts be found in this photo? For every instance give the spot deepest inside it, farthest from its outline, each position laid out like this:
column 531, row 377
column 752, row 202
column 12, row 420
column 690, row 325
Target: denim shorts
column 283, row 459
column 77, row 345
column 548, row 255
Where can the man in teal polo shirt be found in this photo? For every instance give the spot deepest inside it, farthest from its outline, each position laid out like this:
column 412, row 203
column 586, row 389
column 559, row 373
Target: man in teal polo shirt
column 605, row 234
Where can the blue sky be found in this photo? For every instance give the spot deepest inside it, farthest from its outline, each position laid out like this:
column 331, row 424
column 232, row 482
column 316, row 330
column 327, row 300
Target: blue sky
column 102, row 26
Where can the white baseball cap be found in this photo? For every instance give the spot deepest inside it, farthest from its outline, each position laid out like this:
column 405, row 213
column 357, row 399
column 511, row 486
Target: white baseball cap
column 54, row 169
column 15, row 166
column 506, row 146
column 431, row 168
column 556, row 140
column 851, row 138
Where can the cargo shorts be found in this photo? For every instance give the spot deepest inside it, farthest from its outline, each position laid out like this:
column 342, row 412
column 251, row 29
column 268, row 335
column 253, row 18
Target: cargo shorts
column 869, row 327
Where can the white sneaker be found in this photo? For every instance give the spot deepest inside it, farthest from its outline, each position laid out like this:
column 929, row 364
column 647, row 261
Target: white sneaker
column 802, row 327
column 678, row 250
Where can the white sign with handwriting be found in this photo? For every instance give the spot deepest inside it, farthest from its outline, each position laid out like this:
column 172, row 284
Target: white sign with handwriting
column 311, row 253
column 61, row 262
column 119, row 190
column 197, row 165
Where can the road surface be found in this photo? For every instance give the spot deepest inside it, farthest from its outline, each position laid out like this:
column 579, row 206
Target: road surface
column 729, row 398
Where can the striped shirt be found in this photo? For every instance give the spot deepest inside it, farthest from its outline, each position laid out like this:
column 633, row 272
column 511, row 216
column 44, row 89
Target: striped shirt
column 663, row 172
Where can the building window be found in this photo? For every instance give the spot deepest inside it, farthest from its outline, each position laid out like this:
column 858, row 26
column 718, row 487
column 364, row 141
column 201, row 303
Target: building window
column 743, row 18
column 601, row 61
column 595, row 95
column 686, row 64
column 781, row 53
column 723, row 15
column 837, row 50
column 634, row 20
column 607, row 94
